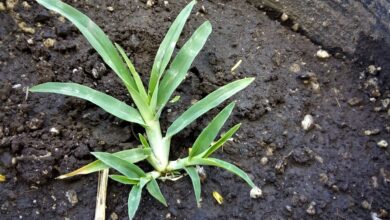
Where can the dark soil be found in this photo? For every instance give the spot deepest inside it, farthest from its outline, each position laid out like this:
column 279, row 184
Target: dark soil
column 334, row 165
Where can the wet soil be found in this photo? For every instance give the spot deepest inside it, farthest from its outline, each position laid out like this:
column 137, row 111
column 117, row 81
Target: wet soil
column 332, row 171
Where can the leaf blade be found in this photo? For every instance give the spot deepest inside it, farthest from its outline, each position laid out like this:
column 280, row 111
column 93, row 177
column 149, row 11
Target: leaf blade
column 195, row 179
column 223, row 164
column 95, row 36
column 104, row 101
column 128, row 169
column 210, row 101
column 225, row 137
column 182, row 63
column 209, row 133
column 132, row 155
column 167, row 46
column 155, row 191
column 124, row 180
column 135, row 198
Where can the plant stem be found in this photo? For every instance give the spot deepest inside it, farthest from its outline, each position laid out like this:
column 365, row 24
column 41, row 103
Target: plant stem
column 100, row 210
column 160, row 146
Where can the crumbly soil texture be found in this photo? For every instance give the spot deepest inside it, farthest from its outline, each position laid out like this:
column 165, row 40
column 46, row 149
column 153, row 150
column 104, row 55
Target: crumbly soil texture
column 339, row 168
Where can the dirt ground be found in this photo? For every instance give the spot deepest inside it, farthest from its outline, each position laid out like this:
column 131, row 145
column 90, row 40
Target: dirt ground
column 335, row 170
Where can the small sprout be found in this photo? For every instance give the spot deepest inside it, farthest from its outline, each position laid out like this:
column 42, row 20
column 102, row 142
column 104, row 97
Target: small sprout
column 2, row 178
column 175, row 99
column 236, row 66
column 307, row 122
column 256, row 192
column 218, row 197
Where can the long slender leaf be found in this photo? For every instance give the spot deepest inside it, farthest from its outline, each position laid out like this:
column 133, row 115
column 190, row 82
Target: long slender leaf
column 195, row 182
column 210, row 132
column 167, row 46
column 221, row 141
column 143, row 140
column 182, row 63
column 136, row 77
column 126, row 168
column 95, row 35
column 222, row 164
column 210, row 101
column 125, row 179
column 135, row 197
column 104, row 101
column 132, row 156
column 155, row 191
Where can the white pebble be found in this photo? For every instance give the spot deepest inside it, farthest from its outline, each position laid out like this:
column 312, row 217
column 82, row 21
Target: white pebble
column 54, row 130
column 307, row 122
column 382, row 144
column 284, row 17
column 17, row 86
column 264, row 160
column 256, row 193
column 322, row 54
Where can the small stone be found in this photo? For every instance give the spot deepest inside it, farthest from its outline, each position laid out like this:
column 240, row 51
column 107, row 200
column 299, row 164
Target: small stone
column 25, row 28
column 280, row 166
column 284, row 17
column 11, row 4
column 150, row 3
column 2, row 6
column 49, row 42
column 17, row 86
column 30, row 41
column 54, row 131
column 324, row 178
column 307, row 122
column 26, row 5
column 374, row 131
column 366, row 205
column 373, row 70
column 110, row 8
column 114, row 216
column 355, row 101
column 295, row 68
column 322, row 54
column 166, row 3
column 264, row 160
column 295, row 27
column 256, row 193
column 35, row 124
column 71, row 195
column 311, row 210
column 288, row 208
column 385, row 103
column 382, row 144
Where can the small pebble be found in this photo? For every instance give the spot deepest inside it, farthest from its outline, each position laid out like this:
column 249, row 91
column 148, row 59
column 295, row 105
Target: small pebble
column 295, row 68
column 25, row 28
column 30, row 41
column 374, row 131
column 366, row 205
column 322, row 54
column 114, row 216
column 284, row 17
column 54, row 131
column 256, row 193
column 150, row 3
column 49, row 42
column 385, row 103
column 2, row 6
column 17, row 86
column 295, row 27
column 307, row 122
column 110, row 8
column 26, row 5
column 382, row 144
column 72, row 197
column 264, row 160
column 311, row 210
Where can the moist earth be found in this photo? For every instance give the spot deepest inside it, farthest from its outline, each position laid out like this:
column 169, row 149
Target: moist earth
column 333, row 170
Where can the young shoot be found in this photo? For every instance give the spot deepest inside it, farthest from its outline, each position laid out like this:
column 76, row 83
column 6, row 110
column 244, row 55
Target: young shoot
column 166, row 75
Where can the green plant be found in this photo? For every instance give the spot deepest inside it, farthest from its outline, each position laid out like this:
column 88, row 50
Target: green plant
column 155, row 146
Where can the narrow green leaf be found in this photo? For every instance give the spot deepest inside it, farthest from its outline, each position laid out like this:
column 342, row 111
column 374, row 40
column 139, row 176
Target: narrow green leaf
column 135, row 197
column 225, row 137
column 211, row 131
column 210, row 101
column 222, row 164
column 182, row 63
column 104, row 101
column 142, row 105
column 155, row 191
column 167, row 46
column 136, row 77
column 195, row 182
column 132, row 156
column 126, row 168
column 95, row 35
column 143, row 140
column 124, row 179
